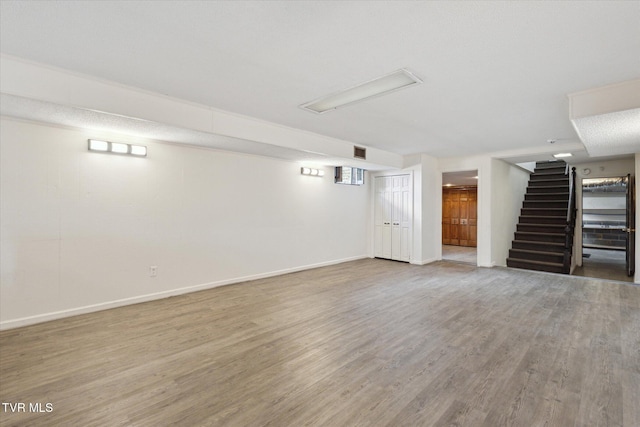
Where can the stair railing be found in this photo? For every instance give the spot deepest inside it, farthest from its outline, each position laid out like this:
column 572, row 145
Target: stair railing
column 571, row 220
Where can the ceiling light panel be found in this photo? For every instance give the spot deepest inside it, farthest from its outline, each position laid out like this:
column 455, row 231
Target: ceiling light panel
column 380, row 86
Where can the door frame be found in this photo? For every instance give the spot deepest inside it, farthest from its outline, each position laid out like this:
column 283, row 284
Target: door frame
column 629, row 248
column 479, row 203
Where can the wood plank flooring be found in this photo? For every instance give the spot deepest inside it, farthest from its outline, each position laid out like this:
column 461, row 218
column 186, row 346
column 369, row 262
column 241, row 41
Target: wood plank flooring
column 364, row 343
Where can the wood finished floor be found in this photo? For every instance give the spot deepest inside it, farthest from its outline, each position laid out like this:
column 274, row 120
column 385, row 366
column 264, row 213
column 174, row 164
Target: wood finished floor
column 365, row 343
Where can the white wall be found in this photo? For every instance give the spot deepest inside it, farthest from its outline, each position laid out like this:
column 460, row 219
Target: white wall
column 80, row 229
column 508, row 186
column 432, row 210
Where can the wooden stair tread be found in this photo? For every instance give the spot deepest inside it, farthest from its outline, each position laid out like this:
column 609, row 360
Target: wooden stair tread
column 537, row 233
column 540, row 242
column 552, row 167
column 532, row 189
column 550, row 193
column 550, row 180
column 536, row 216
column 546, row 263
column 534, row 224
column 531, row 251
column 546, row 201
column 551, row 171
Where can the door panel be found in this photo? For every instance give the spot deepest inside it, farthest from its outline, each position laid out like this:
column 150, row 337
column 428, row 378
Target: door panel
column 446, row 217
column 473, row 218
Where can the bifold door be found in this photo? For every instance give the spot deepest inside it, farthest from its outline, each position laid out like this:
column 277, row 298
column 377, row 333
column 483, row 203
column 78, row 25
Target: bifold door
column 393, row 217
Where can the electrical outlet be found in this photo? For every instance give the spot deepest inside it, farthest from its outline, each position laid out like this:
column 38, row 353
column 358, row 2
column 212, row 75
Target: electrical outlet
column 153, row 271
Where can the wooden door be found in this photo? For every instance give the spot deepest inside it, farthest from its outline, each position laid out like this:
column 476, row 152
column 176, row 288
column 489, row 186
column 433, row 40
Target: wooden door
column 446, row 217
column 455, row 217
column 459, row 216
column 473, row 217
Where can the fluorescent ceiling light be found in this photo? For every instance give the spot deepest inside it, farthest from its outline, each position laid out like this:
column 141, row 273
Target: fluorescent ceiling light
column 380, row 86
column 560, row 155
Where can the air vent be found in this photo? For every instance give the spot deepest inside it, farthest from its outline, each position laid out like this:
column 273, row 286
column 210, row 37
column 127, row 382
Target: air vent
column 360, row 153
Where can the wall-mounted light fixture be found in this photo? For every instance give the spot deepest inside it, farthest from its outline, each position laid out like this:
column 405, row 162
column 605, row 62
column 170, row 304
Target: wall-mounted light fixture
column 117, row 147
column 311, row 171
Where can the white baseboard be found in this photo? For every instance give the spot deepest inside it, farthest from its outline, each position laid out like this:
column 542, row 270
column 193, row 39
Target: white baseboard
column 45, row 317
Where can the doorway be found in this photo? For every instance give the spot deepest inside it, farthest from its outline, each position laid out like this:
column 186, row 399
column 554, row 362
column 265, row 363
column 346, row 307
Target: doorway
column 460, row 216
column 608, row 229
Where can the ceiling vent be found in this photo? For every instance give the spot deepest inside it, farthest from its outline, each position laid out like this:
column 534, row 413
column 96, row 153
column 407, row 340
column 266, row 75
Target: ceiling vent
column 360, row 153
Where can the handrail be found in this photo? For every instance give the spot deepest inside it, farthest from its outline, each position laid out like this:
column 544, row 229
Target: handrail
column 572, row 196
column 571, row 220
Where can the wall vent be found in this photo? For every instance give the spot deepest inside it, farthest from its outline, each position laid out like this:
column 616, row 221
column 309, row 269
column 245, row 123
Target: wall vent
column 360, row 153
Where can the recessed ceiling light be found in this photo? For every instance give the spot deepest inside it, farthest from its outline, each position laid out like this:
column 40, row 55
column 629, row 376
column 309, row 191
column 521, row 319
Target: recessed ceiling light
column 380, row 86
column 560, row 155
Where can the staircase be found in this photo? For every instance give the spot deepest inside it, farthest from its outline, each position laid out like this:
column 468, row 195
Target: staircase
column 544, row 234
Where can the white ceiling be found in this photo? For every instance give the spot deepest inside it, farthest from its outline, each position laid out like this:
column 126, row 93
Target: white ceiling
column 496, row 74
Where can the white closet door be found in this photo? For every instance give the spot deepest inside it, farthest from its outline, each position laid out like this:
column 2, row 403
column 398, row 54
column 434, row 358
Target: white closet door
column 393, row 209
column 401, row 221
column 383, row 212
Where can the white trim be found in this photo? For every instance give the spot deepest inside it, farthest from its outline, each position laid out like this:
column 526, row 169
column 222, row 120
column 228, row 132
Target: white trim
column 24, row 321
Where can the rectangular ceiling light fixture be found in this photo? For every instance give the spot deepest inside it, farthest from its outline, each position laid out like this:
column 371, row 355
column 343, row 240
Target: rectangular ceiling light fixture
column 117, row 147
column 380, row 86
column 561, row 155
